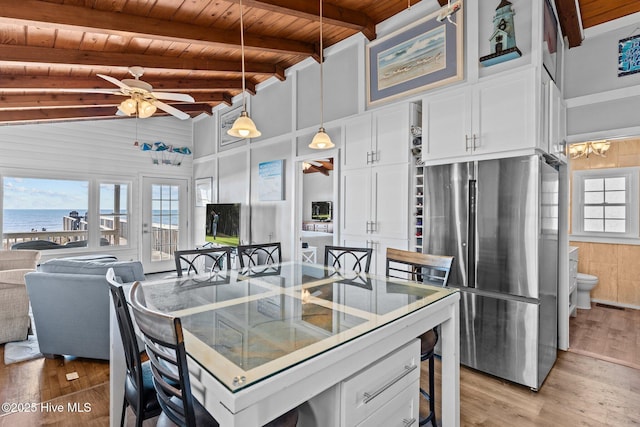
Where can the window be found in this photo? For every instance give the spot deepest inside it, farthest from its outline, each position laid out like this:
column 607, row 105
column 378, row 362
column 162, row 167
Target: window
column 44, row 213
column 114, row 216
column 605, row 202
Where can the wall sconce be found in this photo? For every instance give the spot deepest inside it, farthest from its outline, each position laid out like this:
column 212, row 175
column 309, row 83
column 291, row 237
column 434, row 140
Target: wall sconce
column 598, row 148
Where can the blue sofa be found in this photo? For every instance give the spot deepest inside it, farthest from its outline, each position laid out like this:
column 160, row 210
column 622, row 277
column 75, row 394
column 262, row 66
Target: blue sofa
column 70, row 303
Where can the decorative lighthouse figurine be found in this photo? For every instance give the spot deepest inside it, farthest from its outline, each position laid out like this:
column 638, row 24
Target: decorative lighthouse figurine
column 503, row 39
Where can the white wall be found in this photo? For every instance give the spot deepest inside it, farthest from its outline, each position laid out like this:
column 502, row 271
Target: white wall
column 599, row 103
column 95, row 149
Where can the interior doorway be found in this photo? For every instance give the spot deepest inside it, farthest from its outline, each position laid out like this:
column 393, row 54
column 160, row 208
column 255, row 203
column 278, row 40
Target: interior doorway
column 316, row 221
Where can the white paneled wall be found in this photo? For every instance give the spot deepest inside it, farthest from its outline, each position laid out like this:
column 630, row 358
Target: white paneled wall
column 95, row 149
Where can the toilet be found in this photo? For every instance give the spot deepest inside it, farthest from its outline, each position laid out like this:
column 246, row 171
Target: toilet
column 586, row 282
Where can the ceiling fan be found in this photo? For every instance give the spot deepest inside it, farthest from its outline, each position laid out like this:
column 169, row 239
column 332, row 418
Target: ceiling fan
column 142, row 99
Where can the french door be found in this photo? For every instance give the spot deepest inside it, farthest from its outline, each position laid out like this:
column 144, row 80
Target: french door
column 164, row 222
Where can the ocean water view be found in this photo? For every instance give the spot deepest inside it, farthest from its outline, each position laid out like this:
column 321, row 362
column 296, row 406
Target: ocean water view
column 21, row 220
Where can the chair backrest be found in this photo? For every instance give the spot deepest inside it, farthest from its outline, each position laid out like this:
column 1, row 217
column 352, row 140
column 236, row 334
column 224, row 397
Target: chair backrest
column 130, row 344
column 347, row 258
column 203, row 260
column 165, row 347
column 259, row 254
column 426, row 268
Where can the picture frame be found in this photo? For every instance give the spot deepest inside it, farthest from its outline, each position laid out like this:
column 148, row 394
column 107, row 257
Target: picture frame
column 203, row 191
column 226, row 120
column 421, row 56
column 551, row 43
column 271, row 181
column 629, row 56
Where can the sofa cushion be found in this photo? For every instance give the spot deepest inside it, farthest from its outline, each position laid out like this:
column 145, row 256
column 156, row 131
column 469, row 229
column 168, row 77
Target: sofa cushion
column 126, row 271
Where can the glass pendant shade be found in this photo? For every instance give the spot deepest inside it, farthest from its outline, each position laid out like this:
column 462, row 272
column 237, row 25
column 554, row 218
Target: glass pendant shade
column 128, row 106
column 244, row 127
column 321, row 141
column 146, row 109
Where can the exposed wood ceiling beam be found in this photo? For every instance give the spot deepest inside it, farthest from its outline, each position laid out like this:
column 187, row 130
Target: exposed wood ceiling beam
column 570, row 21
column 86, row 113
column 85, row 19
column 15, row 84
column 41, row 100
column 443, row 2
column 331, row 14
column 75, row 58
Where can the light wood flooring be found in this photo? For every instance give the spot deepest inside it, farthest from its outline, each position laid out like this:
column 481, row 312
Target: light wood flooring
column 580, row 390
column 607, row 332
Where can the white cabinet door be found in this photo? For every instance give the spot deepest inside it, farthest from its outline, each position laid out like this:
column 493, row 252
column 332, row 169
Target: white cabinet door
column 446, row 125
column 390, row 190
column 356, row 201
column 357, row 142
column 392, row 134
column 557, row 126
column 503, row 114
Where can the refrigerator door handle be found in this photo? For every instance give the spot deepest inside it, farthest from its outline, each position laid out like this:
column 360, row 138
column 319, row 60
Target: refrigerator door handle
column 471, row 249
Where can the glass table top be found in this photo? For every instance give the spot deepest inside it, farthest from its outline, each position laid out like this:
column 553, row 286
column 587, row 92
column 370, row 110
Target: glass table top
column 244, row 326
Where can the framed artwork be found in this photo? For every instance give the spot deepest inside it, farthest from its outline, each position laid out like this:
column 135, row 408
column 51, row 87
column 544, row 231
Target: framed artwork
column 271, row 181
column 203, row 191
column 226, row 122
column 424, row 55
column 551, row 44
column 629, row 56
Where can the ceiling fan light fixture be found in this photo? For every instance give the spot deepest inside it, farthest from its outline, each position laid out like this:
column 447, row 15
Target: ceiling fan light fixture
column 145, row 109
column 244, row 127
column 321, row 141
column 128, row 106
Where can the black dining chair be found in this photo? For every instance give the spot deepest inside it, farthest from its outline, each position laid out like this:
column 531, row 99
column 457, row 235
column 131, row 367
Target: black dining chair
column 259, row 254
column 431, row 270
column 348, row 258
column 203, row 260
column 166, row 350
column 139, row 393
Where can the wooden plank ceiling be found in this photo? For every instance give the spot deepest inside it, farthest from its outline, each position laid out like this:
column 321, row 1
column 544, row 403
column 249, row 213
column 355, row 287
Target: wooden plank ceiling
column 52, row 50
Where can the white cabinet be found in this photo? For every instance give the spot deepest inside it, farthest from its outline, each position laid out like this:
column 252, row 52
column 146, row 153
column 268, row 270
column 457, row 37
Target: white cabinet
column 385, row 392
column 375, row 209
column 374, row 138
column 557, row 122
column 496, row 115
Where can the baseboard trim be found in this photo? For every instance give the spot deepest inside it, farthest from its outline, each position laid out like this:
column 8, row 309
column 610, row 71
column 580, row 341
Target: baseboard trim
column 615, row 304
column 605, row 358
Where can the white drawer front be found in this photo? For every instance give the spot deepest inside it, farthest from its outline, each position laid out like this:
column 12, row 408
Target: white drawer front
column 401, row 411
column 377, row 384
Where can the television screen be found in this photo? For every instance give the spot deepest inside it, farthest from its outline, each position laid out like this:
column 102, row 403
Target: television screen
column 223, row 224
column 321, row 211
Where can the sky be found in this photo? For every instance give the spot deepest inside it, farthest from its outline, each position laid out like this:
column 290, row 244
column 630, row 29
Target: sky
column 34, row 193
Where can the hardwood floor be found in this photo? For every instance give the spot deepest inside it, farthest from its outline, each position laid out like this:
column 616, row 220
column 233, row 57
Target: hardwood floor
column 580, row 390
column 607, row 332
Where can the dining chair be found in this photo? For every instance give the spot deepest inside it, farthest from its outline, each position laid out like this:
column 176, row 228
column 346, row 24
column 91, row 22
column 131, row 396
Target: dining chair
column 139, row 393
column 259, row 254
column 431, row 270
column 164, row 341
column 203, row 260
column 348, row 258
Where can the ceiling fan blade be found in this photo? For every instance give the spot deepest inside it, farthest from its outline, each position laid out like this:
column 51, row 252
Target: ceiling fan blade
column 90, row 90
column 173, row 96
column 114, row 81
column 171, row 110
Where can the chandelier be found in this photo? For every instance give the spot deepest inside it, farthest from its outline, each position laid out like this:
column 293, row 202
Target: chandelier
column 598, row 148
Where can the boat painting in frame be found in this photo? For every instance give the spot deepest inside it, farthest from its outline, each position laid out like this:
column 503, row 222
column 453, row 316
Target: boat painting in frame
column 421, row 56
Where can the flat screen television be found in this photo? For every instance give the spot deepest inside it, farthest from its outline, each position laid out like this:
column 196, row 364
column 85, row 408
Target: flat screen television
column 321, row 211
column 223, row 224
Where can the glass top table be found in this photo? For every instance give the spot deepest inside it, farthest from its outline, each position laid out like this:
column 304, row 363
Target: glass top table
column 245, row 326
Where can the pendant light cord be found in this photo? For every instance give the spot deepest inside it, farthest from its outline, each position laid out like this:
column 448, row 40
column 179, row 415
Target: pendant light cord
column 321, row 73
column 244, row 96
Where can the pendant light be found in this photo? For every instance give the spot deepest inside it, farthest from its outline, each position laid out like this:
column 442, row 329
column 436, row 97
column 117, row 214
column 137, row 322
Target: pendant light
column 243, row 127
column 321, row 141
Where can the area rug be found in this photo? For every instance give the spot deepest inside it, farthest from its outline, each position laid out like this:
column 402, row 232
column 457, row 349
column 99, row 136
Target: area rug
column 20, row 351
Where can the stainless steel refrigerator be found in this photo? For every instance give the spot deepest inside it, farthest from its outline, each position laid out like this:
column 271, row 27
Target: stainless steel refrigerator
column 499, row 219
